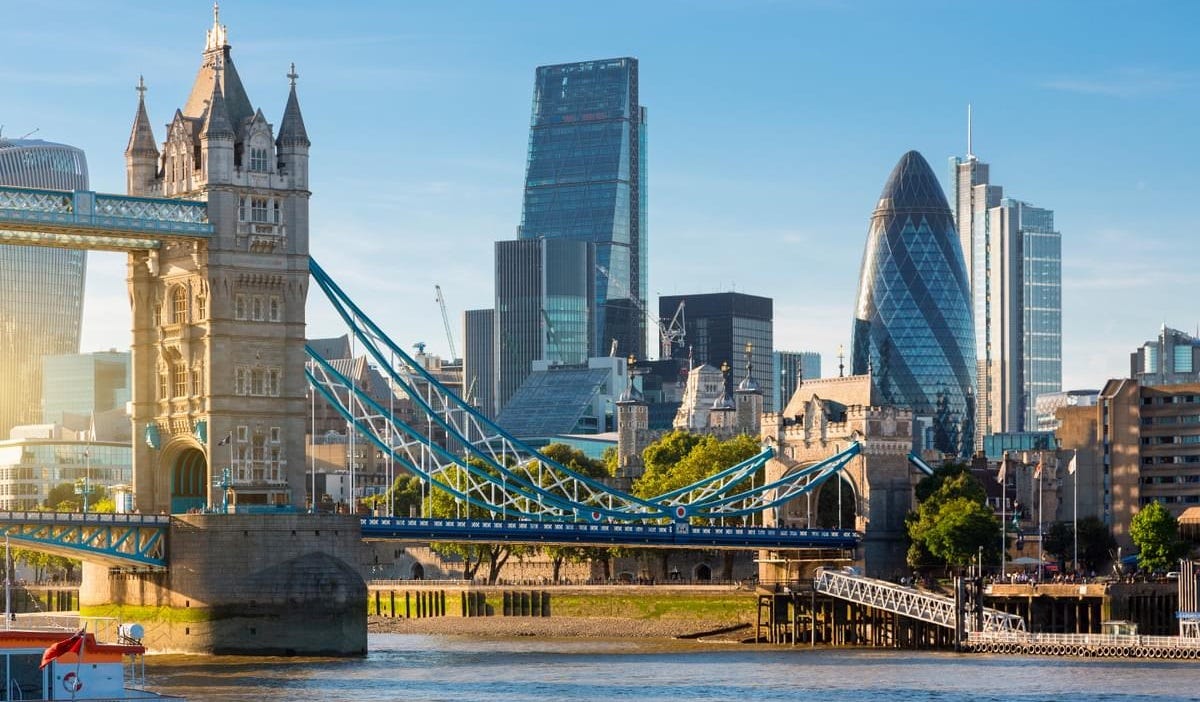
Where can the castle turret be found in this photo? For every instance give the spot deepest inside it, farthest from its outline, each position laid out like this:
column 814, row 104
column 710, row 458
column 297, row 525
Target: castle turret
column 748, row 399
column 216, row 138
column 292, row 143
column 723, row 414
column 633, row 418
column 141, row 155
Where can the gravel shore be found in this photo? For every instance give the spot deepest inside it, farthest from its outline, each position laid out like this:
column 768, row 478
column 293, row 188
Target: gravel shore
column 563, row 627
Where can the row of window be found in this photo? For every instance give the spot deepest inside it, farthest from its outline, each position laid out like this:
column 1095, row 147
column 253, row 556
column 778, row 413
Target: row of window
column 1161, row 440
column 261, row 210
column 1169, row 479
column 1171, row 400
column 1180, row 419
column 259, row 308
column 256, row 382
column 1169, row 460
column 175, row 382
column 178, row 307
column 1172, row 500
column 243, row 435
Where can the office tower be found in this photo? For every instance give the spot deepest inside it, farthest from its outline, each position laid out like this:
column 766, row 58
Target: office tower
column 41, row 289
column 76, row 388
column 586, row 180
column 1013, row 259
column 789, row 367
column 912, row 326
column 1174, row 357
column 479, row 359
column 717, row 328
column 543, row 287
column 1024, row 316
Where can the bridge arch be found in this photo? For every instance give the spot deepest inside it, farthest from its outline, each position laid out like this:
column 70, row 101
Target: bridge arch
column 184, row 469
column 836, row 504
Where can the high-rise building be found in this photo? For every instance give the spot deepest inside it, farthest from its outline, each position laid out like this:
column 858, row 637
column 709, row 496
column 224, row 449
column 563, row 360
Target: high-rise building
column 719, row 326
column 479, row 359
column 79, row 386
column 41, row 289
column 586, row 180
column 912, row 325
column 1174, row 357
column 790, row 367
column 1013, row 258
column 543, row 287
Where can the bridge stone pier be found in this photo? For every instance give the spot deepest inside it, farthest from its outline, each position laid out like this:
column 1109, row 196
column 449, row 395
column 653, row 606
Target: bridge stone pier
column 248, row 584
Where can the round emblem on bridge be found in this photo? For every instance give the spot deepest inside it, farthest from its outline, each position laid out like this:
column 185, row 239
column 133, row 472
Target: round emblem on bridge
column 680, row 512
column 595, row 516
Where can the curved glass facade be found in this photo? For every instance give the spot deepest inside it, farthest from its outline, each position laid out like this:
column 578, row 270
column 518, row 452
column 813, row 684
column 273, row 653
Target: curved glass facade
column 912, row 324
column 41, row 289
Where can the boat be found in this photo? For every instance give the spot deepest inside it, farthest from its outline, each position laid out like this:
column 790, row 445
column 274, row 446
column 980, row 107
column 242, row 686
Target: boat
column 61, row 658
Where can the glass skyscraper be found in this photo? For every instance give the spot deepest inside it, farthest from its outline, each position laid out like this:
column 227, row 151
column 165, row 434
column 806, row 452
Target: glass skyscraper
column 586, row 180
column 41, row 289
column 912, row 326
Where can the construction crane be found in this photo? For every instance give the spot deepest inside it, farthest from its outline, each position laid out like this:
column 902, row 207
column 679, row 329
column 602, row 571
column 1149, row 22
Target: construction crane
column 671, row 334
column 446, row 321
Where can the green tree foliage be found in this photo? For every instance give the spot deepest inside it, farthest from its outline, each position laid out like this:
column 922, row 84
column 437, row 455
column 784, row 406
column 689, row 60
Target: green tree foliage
column 599, row 469
column 952, row 522
column 404, row 497
column 63, row 498
column 669, row 466
column 1155, row 532
column 1095, row 542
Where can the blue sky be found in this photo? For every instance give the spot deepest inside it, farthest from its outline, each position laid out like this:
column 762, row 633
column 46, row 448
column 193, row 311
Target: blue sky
column 773, row 126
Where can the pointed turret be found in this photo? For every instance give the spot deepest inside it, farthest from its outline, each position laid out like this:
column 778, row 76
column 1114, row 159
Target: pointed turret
column 141, row 154
column 216, row 137
column 292, row 143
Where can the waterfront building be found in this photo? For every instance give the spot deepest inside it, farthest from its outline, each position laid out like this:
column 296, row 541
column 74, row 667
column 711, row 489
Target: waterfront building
column 41, row 288
column 720, row 327
column 1047, row 405
column 1013, row 258
column 543, row 289
column 585, row 180
column 791, row 368
column 31, row 467
column 479, row 360
column 1174, row 357
column 912, row 330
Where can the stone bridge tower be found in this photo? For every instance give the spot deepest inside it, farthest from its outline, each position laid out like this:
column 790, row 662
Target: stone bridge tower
column 218, row 326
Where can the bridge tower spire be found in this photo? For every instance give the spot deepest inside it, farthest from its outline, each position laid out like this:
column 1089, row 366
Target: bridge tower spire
column 218, row 340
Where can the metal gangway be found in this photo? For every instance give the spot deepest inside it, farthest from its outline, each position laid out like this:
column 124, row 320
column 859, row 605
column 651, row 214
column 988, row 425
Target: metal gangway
column 907, row 601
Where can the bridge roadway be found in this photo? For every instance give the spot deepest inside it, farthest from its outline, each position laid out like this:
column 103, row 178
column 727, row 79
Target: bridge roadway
column 123, row 540
column 677, row 535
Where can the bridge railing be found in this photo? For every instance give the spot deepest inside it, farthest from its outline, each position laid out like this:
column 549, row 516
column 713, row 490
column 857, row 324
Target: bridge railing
column 87, row 208
column 917, row 604
column 86, row 518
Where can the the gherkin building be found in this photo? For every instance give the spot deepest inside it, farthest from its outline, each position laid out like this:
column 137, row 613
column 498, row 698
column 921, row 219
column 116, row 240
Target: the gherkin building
column 912, row 323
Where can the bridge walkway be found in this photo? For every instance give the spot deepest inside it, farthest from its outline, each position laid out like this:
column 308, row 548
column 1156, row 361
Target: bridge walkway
column 917, row 604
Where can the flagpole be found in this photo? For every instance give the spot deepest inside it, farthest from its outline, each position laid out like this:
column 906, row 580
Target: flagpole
column 1040, row 520
column 1075, row 512
column 1003, row 511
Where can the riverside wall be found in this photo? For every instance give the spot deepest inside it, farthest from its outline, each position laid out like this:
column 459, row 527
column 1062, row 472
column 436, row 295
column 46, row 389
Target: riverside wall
column 274, row 584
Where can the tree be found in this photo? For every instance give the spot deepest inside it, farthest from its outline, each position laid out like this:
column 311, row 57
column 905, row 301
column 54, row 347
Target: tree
column 673, row 468
column 952, row 522
column 404, row 496
column 1095, row 542
column 579, row 462
column 1155, row 532
column 63, row 498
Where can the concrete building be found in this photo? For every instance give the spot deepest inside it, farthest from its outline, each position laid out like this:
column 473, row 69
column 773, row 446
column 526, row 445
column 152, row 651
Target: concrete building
column 585, row 180
column 719, row 327
column 479, row 360
column 1174, row 357
column 41, row 288
column 1048, row 405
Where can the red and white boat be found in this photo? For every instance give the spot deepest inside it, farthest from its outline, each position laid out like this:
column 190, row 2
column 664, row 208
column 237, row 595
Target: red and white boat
column 43, row 662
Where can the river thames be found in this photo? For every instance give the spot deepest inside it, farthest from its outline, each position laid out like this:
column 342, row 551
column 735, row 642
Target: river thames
column 434, row 668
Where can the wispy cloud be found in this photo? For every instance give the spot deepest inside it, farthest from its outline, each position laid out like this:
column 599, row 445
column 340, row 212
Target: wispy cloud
column 1126, row 82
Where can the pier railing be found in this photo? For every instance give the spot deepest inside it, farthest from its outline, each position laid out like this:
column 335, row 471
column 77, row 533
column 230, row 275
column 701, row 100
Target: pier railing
column 907, row 601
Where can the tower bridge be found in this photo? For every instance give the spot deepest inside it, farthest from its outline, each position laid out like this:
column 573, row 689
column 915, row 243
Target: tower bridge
column 216, row 230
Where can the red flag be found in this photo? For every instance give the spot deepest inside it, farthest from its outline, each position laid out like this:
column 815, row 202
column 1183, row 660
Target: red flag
column 62, row 648
column 1037, row 472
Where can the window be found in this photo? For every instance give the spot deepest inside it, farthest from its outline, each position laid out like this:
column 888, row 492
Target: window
column 158, row 315
column 241, row 209
column 201, row 308
column 179, row 304
column 179, row 377
column 197, row 383
column 276, row 309
column 278, row 217
column 239, row 307
column 258, row 159
column 1183, row 358
column 257, row 381
column 242, row 433
column 162, row 386
column 239, row 386
column 257, row 308
column 275, row 435
column 258, row 209
column 273, row 383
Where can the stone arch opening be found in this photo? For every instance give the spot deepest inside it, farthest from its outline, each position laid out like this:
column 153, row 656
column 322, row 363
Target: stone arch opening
column 189, row 472
column 702, row 573
column 418, row 572
column 832, row 512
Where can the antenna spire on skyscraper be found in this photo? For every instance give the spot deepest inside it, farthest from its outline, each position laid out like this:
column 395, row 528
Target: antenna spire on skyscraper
column 970, row 150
